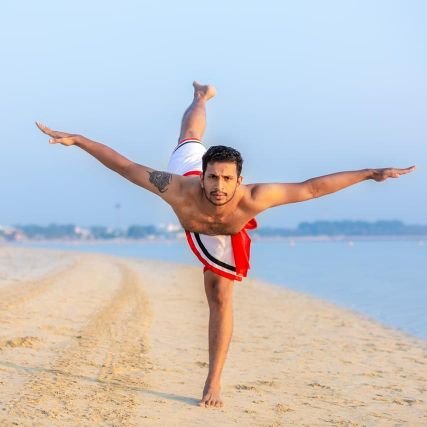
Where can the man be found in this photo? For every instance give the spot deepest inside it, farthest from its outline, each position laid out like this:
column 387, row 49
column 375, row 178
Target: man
column 215, row 207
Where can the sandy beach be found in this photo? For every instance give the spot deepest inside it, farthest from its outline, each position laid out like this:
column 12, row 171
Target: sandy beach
column 93, row 340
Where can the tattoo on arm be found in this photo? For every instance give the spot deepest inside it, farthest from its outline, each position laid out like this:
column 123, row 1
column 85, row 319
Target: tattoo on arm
column 160, row 179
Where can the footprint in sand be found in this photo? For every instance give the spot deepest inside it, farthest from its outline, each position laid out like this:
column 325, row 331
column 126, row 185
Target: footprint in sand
column 408, row 402
column 269, row 383
column 282, row 408
column 244, row 387
column 27, row 342
column 375, row 374
column 381, row 398
column 316, row 384
column 202, row 364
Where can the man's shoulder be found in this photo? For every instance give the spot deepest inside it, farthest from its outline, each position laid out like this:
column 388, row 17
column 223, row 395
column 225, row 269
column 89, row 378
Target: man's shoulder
column 190, row 185
column 190, row 181
column 248, row 190
column 247, row 198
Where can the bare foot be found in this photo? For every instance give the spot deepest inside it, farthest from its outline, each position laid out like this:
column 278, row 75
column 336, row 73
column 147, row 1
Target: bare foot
column 204, row 91
column 211, row 396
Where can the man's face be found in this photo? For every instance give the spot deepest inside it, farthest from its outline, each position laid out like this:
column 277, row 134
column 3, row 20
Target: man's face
column 220, row 182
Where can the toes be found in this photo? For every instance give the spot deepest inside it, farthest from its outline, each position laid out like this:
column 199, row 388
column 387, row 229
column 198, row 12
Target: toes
column 205, row 401
column 210, row 402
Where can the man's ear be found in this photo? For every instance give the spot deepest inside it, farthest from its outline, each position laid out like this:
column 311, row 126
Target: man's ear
column 201, row 180
column 239, row 180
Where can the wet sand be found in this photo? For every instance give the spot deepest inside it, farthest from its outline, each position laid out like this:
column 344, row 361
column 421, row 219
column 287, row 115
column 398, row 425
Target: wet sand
column 97, row 340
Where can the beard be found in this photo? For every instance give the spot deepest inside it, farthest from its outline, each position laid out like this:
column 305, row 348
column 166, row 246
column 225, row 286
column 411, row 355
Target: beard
column 211, row 199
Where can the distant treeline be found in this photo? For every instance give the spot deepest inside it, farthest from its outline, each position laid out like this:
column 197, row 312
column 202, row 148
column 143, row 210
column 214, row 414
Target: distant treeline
column 71, row 231
column 348, row 228
column 317, row 228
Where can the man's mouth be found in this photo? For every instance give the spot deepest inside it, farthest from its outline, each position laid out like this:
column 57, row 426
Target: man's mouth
column 218, row 195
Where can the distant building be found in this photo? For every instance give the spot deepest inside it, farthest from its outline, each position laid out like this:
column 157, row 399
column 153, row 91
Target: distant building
column 173, row 228
column 11, row 234
column 83, row 233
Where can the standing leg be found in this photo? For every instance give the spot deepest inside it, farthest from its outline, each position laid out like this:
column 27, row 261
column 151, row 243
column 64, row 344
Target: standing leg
column 194, row 120
column 219, row 292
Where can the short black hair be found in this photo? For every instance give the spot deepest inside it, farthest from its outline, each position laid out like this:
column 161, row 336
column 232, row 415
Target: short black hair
column 221, row 153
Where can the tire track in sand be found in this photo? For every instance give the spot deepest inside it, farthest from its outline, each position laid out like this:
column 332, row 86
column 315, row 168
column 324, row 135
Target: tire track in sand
column 98, row 376
column 19, row 293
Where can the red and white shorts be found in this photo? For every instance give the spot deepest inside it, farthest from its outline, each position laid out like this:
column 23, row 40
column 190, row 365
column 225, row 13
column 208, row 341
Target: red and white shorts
column 227, row 256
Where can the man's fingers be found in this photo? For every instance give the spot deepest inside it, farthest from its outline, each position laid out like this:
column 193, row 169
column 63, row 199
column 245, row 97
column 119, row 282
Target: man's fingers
column 395, row 173
column 386, row 173
column 43, row 128
column 46, row 130
column 406, row 170
column 50, row 132
column 56, row 140
column 67, row 140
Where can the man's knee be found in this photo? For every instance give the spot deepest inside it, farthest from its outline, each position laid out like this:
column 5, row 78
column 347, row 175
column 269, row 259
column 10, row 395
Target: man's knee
column 221, row 297
column 219, row 290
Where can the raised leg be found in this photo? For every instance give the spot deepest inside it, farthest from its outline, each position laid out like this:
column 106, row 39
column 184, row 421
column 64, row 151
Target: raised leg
column 219, row 292
column 193, row 123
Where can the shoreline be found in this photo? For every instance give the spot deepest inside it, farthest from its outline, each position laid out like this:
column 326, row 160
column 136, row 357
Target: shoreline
column 254, row 237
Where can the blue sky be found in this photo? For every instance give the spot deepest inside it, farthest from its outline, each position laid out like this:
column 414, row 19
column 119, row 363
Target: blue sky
column 304, row 89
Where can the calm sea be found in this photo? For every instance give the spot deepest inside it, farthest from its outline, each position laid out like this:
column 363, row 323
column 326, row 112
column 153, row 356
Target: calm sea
column 386, row 280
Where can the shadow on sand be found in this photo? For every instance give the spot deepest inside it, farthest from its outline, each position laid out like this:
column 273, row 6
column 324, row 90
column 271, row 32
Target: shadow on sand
column 114, row 383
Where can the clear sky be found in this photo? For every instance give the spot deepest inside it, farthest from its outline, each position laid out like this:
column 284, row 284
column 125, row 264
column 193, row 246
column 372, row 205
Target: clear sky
column 304, row 89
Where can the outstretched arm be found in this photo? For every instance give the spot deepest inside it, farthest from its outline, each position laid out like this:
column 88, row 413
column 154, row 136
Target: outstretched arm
column 269, row 195
column 155, row 181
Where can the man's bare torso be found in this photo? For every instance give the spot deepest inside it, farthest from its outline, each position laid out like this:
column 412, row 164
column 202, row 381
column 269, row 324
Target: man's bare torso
column 196, row 214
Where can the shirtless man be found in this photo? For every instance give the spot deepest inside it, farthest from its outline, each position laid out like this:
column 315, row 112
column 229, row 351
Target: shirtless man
column 214, row 207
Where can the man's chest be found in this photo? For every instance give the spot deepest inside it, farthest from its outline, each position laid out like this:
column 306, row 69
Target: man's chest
column 197, row 222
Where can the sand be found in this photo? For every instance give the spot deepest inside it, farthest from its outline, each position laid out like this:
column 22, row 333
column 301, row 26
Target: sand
column 94, row 340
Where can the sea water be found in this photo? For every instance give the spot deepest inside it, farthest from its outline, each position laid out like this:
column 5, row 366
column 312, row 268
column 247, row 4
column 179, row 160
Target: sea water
column 386, row 280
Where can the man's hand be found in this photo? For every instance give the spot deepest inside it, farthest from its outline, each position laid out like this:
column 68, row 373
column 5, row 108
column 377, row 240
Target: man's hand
column 58, row 137
column 167, row 186
column 383, row 174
